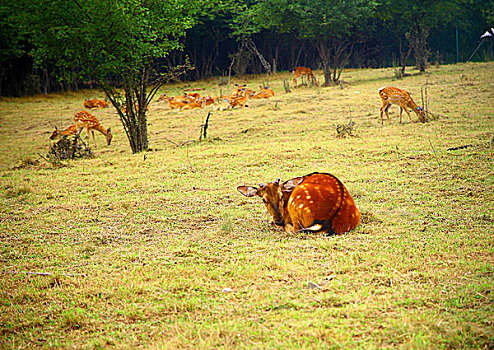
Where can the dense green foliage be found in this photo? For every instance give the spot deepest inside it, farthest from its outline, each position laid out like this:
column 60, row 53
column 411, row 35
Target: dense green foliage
column 333, row 26
column 100, row 38
column 416, row 19
column 103, row 40
column 324, row 34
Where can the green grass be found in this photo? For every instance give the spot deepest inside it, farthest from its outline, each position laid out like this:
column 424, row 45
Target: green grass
column 141, row 250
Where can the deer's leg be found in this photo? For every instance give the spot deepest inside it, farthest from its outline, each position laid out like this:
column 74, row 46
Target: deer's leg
column 94, row 140
column 293, row 227
column 401, row 112
column 382, row 112
column 409, row 116
column 386, row 109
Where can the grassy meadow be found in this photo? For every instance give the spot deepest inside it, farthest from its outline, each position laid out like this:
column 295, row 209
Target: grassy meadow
column 159, row 251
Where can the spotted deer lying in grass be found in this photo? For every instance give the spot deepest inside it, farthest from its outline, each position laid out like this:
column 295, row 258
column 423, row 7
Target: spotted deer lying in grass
column 194, row 105
column 240, row 101
column 90, row 104
column 241, row 91
column 317, row 202
column 264, row 93
column 396, row 96
column 222, row 104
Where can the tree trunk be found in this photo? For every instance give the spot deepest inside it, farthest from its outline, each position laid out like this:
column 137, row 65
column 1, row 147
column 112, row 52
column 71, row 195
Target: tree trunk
column 134, row 119
column 141, row 112
column 46, row 81
column 421, row 50
column 404, row 58
column 325, row 55
column 298, row 54
column 417, row 39
column 275, row 57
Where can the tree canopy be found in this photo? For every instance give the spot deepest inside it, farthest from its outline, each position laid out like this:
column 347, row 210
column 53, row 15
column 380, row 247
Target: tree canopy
column 109, row 40
column 77, row 40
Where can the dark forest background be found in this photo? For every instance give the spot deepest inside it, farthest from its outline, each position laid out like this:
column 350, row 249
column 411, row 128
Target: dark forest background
column 253, row 37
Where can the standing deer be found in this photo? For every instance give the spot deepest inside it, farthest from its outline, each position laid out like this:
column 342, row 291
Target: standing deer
column 317, row 202
column 86, row 120
column 304, row 71
column 392, row 95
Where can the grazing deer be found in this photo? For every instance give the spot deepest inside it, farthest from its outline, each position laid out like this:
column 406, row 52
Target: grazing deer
column 392, row 95
column 89, row 104
column 86, row 120
column 304, row 71
column 71, row 130
column 317, row 203
column 264, row 93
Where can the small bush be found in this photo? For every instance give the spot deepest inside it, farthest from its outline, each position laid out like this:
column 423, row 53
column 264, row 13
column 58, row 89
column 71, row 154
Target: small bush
column 69, row 149
column 345, row 129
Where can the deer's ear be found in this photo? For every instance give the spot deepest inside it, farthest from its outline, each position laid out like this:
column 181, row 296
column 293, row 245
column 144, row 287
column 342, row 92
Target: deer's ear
column 247, row 191
column 292, row 183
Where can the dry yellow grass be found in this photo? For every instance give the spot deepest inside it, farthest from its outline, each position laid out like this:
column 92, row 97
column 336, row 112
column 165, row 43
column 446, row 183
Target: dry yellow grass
column 157, row 250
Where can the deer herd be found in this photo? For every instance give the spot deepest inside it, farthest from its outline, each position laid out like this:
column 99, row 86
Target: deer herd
column 238, row 98
column 314, row 203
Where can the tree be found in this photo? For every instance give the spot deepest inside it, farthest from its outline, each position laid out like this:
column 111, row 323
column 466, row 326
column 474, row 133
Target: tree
column 11, row 41
column 415, row 19
column 210, row 38
column 118, row 44
column 332, row 25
